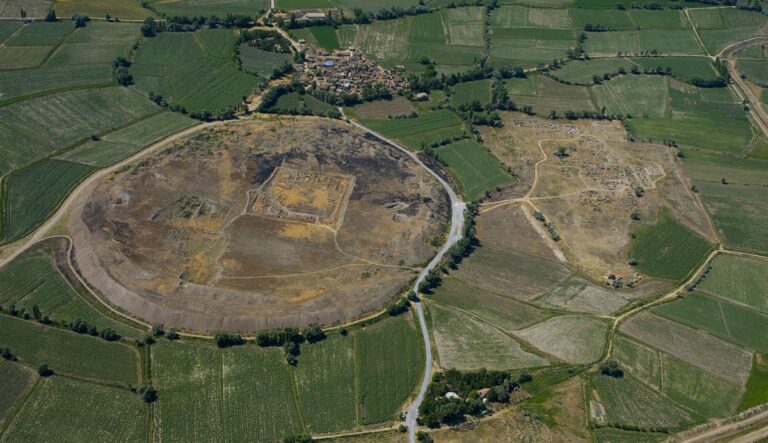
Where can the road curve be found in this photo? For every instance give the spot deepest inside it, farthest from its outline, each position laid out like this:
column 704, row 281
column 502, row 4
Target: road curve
column 454, row 235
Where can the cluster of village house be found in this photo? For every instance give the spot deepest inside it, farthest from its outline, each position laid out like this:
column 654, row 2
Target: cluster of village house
column 345, row 71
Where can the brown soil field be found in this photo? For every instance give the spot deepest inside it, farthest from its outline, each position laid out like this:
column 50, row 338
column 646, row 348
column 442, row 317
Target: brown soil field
column 259, row 224
column 589, row 194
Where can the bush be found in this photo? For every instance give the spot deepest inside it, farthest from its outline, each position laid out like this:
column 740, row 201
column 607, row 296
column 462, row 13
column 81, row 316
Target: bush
column 109, row 334
column 225, row 340
column 157, row 330
column 313, row 334
column 6, row 353
column 44, row 370
column 278, row 337
column 611, row 368
column 399, row 307
column 148, row 394
column 301, row 438
column 172, row 335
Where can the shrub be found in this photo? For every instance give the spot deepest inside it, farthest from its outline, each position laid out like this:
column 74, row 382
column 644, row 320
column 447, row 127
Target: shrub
column 148, row 394
column 44, row 370
column 6, row 353
column 611, row 368
column 225, row 340
column 313, row 334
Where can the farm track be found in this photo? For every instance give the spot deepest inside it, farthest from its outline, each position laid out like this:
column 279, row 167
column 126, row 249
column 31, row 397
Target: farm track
column 756, row 107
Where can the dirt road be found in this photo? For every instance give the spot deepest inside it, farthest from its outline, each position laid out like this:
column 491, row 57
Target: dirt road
column 721, row 432
column 756, row 107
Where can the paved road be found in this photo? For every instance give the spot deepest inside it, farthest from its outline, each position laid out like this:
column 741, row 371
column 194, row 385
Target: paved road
column 454, row 235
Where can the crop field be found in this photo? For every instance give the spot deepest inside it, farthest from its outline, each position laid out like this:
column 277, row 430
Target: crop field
column 193, row 69
column 609, row 18
column 385, row 41
column 755, row 70
column 20, row 57
column 683, row 68
column 527, row 50
column 416, row 133
column 381, row 109
column 692, row 346
column 261, row 62
column 35, row 8
column 579, row 295
column 525, row 17
column 123, row 9
column 16, row 380
column 189, row 378
column 389, row 363
column 35, row 192
column 469, row 92
column 505, row 313
column 44, row 125
column 303, row 4
column 41, row 34
column 67, row 352
column 732, row 136
column 615, row 435
column 16, row 83
column 629, row 403
column 323, row 378
column 428, row 38
column 740, row 279
column 712, row 167
column 641, row 361
column 32, row 279
column 7, row 28
column 125, row 142
column 510, row 273
column 376, row 5
column 635, row 95
column 739, row 213
column 326, row 37
column 693, row 388
column 219, row 8
column 667, row 42
column 729, row 321
column 465, row 26
column 571, row 338
column 756, row 391
column 544, row 94
column 475, row 167
column 465, row 343
column 101, row 414
column 581, row 72
column 668, row 249
column 258, row 396
column 293, row 100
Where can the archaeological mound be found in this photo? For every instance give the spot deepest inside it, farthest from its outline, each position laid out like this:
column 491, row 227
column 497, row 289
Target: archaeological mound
column 260, row 224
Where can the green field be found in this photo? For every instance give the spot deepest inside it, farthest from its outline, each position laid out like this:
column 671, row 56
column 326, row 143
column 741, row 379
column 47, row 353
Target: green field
column 32, row 279
column 475, row 167
column 581, row 72
column 666, row 42
column 668, row 249
column 16, row 83
column 544, row 94
column 193, row 69
column 258, row 396
column 696, row 390
column 728, row 321
column 294, row 101
column 571, row 338
column 635, row 95
column 642, row 362
column 475, row 91
column 323, row 378
column 219, row 8
column 303, row 4
column 261, row 62
column 756, row 391
column 416, row 133
column 16, row 380
column 615, row 435
column 683, row 68
column 41, row 34
column 503, row 312
column 739, row 214
column 326, row 37
column 69, row 353
column 125, row 142
column 34, row 193
column 629, row 403
column 712, row 167
column 468, row 344
column 510, row 273
column 730, row 136
column 740, row 279
column 67, row 410
column 390, row 362
column 755, row 70
column 122, row 9
column 188, row 378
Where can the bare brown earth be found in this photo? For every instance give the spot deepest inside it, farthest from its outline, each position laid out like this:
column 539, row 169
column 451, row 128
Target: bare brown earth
column 259, row 224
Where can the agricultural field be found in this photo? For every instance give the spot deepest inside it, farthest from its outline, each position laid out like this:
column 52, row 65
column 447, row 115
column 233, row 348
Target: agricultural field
column 503, row 312
column 16, row 380
column 756, row 391
column 102, row 414
column 382, row 109
column 120, row 9
column 571, row 338
column 544, row 94
column 262, row 62
column 740, row 279
column 722, row 26
column 633, row 95
column 668, row 249
column 756, row 71
column 35, row 8
column 579, row 295
column 697, row 390
column 249, row 377
column 509, row 273
column 221, row 8
column 190, row 379
column 323, row 378
column 467, row 344
column 32, row 279
column 642, row 362
column 469, row 92
column 666, row 42
column 476, row 168
column 418, row 133
column 303, row 4
column 69, row 353
column 294, row 101
column 739, row 213
column 582, row 72
column 683, row 68
column 389, row 363
column 193, row 69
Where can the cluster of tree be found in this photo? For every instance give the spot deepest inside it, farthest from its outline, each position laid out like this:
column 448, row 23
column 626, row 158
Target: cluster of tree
column 34, row 313
column 358, row 17
column 716, row 2
column 399, row 307
column 150, row 27
column 650, row 5
column 300, row 438
column 147, row 393
column 751, row 6
column 477, row 114
column 49, row 17
column 611, row 368
column 290, row 339
column 431, row 281
column 265, row 40
column 227, row 339
column 269, row 100
column 438, row 408
column 589, row 27
column 412, row 114
column 690, row 287
column 430, row 80
column 120, row 71
column 538, row 215
column 82, row 327
column 190, row 24
column 6, row 353
column 80, row 20
column 464, row 247
column 44, row 371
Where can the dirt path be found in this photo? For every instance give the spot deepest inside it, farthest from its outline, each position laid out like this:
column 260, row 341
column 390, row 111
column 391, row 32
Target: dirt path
column 756, row 105
column 723, row 431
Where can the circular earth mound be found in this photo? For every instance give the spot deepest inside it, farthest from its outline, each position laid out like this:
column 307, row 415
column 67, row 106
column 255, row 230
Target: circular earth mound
column 260, row 224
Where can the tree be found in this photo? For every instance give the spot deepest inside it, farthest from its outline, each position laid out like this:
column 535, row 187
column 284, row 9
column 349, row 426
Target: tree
column 6, row 353
column 172, row 335
column 300, row 438
column 109, row 334
column 23, row 14
column 36, row 313
column 635, row 215
column 44, row 370
column 80, row 20
column 157, row 329
column 611, row 368
column 423, row 437
column 524, row 377
column 51, row 16
column 225, row 340
column 148, row 394
column 313, row 333
column 149, row 28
